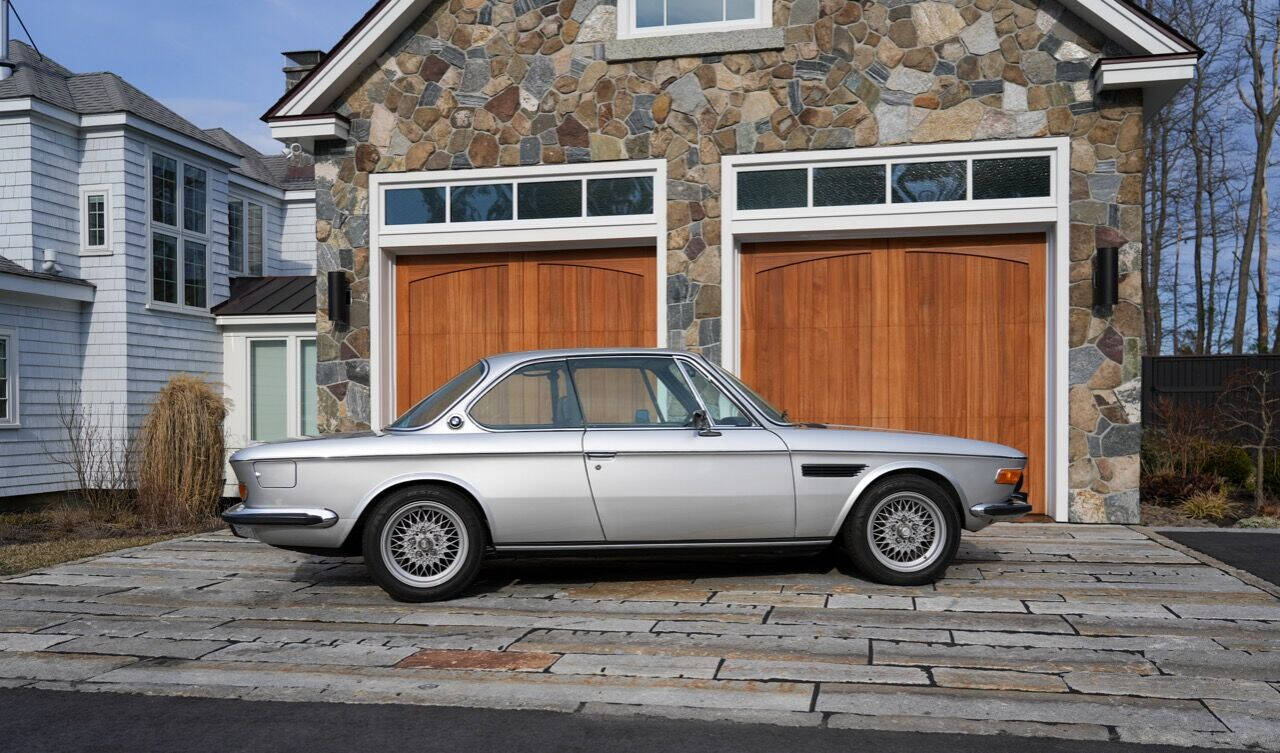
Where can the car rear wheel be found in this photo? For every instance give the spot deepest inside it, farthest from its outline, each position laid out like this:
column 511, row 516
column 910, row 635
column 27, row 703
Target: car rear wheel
column 424, row 544
column 903, row 532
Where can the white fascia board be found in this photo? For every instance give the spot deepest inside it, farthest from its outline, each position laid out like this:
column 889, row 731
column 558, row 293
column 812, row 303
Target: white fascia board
column 307, row 130
column 45, row 288
column 40, row 107
column 1159, row 77
column 1126, row 26
column 296, row 195
column 129, row 120
column 249, row 184
column 342, row 66
column 267, row 320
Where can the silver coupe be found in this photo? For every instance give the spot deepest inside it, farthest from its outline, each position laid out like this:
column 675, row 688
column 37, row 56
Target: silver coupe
column 640, row 450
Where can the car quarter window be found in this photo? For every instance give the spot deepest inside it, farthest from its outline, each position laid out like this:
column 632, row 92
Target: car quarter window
column 536, row 396
column 632, row 392
column 722, row 409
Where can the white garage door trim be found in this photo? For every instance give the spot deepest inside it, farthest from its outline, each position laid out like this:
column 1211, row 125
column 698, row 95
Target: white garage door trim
column 388, row 242
column 1050, row 215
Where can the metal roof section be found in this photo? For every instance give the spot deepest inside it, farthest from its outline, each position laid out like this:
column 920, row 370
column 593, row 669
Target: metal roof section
column 278, row 295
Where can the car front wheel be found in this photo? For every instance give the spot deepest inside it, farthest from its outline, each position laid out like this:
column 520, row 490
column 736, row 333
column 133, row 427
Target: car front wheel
column 903, row 532
column 423, row 544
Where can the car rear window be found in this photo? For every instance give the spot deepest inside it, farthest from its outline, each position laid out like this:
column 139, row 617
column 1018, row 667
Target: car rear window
column 435, row 404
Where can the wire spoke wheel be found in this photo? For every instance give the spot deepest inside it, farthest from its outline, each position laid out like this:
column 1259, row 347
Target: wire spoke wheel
column 906, row 531
column 424, row 543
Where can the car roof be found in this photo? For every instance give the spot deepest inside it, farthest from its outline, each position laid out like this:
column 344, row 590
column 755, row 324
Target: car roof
column 503, row 361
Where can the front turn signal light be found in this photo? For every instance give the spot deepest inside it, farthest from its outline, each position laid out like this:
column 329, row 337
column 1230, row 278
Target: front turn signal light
column 1011, row 476
column 244, row 493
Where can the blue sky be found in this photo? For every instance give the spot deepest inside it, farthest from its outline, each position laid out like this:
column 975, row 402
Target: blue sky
column 215, row 62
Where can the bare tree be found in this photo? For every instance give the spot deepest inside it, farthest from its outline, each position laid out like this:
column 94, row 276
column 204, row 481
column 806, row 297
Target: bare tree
column 1250, row 408
column 101, row 459
column 1262, row 100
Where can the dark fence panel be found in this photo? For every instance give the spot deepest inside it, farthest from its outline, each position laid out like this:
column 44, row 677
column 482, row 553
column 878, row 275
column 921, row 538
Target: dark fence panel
column 1196, row 380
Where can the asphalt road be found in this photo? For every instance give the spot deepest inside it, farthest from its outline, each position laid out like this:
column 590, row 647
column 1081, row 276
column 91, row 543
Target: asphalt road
column 33, row 721
column 1253, row 552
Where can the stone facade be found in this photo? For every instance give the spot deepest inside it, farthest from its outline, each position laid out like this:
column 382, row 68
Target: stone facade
column 483, row 83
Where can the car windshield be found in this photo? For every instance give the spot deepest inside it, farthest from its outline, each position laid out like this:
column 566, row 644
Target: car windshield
column 762, row 405
column 433, row 405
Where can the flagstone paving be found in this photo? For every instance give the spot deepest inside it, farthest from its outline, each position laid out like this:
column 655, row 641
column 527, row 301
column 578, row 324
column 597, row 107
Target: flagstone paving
column 1080, row 632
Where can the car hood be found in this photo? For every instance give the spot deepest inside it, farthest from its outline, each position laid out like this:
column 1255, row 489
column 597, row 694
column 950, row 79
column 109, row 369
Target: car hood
column 838, row 438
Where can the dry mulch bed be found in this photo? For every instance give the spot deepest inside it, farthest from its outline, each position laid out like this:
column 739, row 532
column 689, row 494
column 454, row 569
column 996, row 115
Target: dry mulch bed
column 64, row 531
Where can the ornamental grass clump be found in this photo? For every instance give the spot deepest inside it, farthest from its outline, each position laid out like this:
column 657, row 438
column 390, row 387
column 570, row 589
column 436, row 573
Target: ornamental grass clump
column 181, row 455
column 1208, row 506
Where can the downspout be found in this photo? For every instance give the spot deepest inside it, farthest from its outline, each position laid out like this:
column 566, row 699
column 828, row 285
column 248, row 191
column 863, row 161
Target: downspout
column 6, row 67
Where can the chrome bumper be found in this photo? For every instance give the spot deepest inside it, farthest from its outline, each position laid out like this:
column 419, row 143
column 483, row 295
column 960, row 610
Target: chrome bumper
column 1014, row 507
column 239, row 515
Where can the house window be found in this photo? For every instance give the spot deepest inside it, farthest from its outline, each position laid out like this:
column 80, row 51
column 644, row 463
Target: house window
column 95, row 219
column 282, row 388
column 244, row 237
column 8, row 378
column 637, row 18
column 630, row 196
column 179, row 229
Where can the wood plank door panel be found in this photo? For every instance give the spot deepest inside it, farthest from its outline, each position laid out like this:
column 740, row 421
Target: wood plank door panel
column 454, row 309
column 943, row 335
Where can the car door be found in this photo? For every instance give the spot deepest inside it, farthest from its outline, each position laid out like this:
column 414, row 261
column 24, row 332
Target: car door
column 529, row 470
column 655, row 478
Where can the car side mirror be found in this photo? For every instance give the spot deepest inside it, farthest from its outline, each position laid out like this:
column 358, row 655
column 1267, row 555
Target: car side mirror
column 703, row 424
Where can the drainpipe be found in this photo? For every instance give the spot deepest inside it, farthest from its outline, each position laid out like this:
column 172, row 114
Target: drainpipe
column 6, row 68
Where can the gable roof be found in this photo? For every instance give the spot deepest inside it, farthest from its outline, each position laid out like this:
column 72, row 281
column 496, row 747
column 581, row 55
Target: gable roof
column 269, row 296
column 42, row 78
column 1123, row 21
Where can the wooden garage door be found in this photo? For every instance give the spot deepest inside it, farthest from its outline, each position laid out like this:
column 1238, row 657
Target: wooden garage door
column 942, row 335
column 453, row 310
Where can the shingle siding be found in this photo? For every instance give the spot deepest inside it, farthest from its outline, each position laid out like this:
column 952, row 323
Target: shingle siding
column 48, row 355
column 298, row 239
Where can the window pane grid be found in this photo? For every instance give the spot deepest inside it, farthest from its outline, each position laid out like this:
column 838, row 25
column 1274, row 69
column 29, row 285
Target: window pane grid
column 4, row 378
column 96, row 217
column 526, row 200
column 903, row 182
column 194, row 190
column 164, row 190
column 255, row 239
column 235, row 236
column 193, row 273
column 164, row 268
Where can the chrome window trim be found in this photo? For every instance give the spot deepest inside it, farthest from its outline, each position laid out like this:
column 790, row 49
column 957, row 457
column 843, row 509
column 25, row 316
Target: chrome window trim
column 499, row 379
column 445, row 412
column 689, row 363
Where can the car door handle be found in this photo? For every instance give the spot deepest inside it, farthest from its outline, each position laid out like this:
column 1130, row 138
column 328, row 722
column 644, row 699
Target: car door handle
column 601, row 455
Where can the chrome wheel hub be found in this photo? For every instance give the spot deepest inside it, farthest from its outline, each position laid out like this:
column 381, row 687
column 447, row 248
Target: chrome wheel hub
column 906, row 531
column 424, row 543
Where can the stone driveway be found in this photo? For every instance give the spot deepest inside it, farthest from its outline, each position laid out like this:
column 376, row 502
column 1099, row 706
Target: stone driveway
column 1044, row 630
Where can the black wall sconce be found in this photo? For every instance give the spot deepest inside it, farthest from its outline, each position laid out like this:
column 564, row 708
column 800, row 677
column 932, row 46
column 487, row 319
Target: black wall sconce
column 339, row 298
column 1106, row 278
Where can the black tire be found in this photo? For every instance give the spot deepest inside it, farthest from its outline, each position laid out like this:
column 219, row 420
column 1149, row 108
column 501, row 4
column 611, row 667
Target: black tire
column 908, row 489
column 399, row 582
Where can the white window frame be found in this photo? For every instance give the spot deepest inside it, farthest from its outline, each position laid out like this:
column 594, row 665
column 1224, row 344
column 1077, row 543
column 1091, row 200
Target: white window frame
column 11, row 418
column 179, row 231
column 87, row 248
column 293, row 381
column 245, row 270
column 1048, row 214
column 762, row 19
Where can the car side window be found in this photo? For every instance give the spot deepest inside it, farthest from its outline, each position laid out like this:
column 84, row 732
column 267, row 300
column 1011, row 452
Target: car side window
column 722, row 409
column 631, row 392
column 536, row 396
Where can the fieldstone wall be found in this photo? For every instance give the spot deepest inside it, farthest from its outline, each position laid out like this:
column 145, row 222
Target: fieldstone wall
column 483, row 83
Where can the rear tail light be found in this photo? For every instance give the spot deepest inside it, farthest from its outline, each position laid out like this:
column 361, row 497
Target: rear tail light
column 1011, row 476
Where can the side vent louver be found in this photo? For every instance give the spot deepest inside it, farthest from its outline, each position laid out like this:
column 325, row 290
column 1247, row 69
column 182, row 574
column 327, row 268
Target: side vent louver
column 825, row 470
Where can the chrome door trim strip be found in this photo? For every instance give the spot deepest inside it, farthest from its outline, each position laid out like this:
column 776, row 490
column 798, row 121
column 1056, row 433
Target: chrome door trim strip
column 703, row 544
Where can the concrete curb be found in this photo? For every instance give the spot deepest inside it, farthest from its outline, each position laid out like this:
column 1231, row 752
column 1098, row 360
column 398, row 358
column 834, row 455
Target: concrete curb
column 1234, row 572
